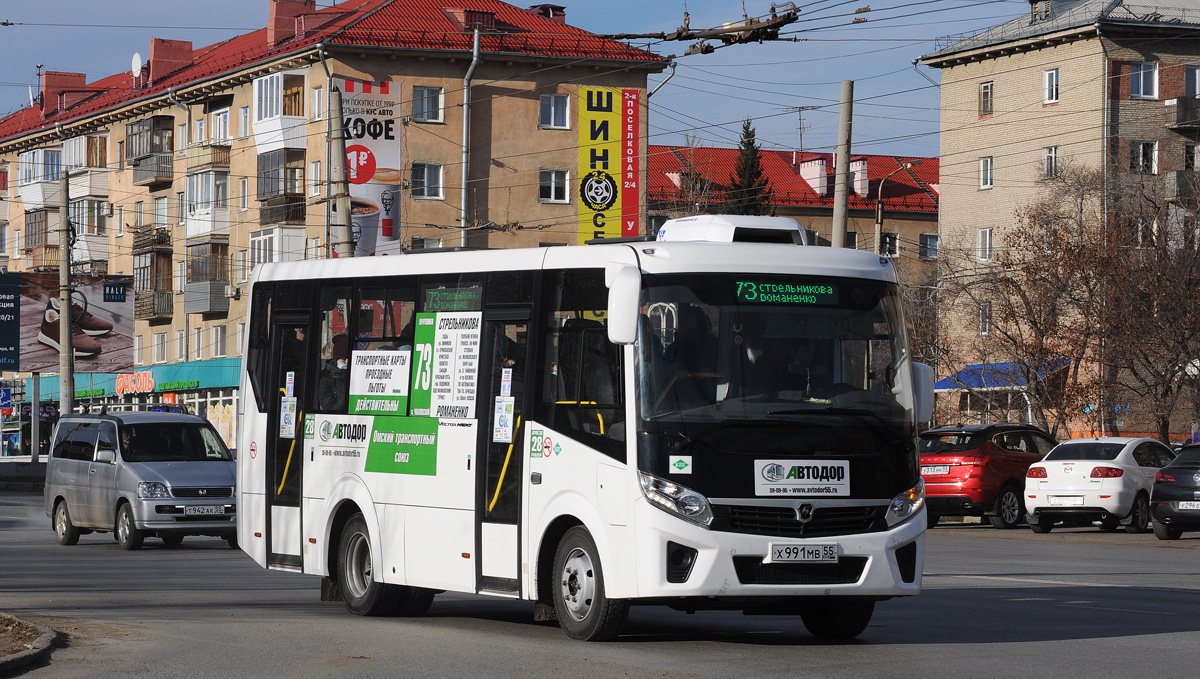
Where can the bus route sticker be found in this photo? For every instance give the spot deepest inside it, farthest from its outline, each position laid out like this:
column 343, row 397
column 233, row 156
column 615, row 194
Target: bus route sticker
column 535, row 442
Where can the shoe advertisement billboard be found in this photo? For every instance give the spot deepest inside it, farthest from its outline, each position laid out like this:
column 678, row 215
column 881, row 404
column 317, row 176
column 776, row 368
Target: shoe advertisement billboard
column 101, row 323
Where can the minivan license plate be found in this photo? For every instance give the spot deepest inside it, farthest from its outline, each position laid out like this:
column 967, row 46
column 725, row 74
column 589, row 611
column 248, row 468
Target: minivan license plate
column 785, row 552
column 195, row 510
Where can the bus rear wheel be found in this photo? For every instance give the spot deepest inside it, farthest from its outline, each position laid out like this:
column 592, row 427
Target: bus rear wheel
column 584, row 610
column 356, row 573
column 837, row 618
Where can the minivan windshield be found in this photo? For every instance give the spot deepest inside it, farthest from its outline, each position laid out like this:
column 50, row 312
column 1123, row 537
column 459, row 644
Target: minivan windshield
column 171, row 442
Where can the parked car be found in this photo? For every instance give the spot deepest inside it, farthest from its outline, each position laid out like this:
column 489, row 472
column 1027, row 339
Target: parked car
column 1106, row 479
column 979, row 470
column 140, row 474
column 1176, row 496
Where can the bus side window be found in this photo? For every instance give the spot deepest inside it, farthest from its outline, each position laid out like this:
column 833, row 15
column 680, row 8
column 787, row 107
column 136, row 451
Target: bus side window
column 333, row 371
column 583, row 390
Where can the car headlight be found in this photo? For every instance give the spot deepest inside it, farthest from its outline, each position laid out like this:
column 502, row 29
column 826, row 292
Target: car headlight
column 676, row 499
column 153, row 489
column 906, row 504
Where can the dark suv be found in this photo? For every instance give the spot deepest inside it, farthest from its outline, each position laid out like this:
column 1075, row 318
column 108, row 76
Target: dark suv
column 979, row 470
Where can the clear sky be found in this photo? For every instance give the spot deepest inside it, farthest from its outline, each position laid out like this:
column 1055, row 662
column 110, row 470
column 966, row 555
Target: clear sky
column 896, row 109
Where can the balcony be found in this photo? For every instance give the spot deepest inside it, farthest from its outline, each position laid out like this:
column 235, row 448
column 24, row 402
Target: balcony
column 149, row 239
column 1183, row 113
column 208, row 154
column 40, row 195
column 155, row 168
column 1181, row 185
column 89, row 182
column 44, row 257
column 281, row 209
column 89, row 248
column 205, row 298
column 153, row 305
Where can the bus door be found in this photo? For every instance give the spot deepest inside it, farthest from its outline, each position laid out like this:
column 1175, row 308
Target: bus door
column 285, row 438
column 504, row 360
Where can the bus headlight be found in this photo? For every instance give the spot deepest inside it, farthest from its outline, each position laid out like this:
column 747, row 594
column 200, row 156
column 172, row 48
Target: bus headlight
column 906, row 504
column 676, row 499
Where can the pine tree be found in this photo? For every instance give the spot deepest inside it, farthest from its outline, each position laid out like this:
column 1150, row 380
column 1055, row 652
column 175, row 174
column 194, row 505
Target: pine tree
column 748, row 192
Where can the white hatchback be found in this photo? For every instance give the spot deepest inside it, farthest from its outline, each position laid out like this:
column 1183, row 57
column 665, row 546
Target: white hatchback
column 1105, row 479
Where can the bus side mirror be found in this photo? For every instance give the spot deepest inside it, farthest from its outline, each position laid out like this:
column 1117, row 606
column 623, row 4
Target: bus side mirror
column 922, row 391
column 624, row 293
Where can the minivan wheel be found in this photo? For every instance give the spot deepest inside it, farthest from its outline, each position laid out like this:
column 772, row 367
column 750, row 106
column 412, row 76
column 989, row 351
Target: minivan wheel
column 128, row 535
column 64, row 530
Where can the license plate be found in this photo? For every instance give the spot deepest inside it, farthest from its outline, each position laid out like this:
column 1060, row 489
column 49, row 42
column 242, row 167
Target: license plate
column 1067, row 500
column 934, row 470
column 784, row 553
column 1189, row 505
column 200, row 510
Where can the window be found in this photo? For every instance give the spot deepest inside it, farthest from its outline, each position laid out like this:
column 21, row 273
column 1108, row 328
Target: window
column 16, row 243
column 850, row 241
column 983, row 244
column 198, row 131
column 137, row 349
column 314, row 178
column 42, row 165
column 278, row 94
column 207, row 191
column 1143, row 80
column 3, row 238
column 1191, row 157
column 218, row 347
column 220, row 126
column 197, row 344
column 87, row 216
column 139, row 213
column 986, row 98
column 37, row 232
column 262, row 247
column 419, row 243
column 427, row 104
column 553, row 112
column 244, row 122
column 119, row 211
column 316, row 103
column 208, row 263
column 312, row 248
column 160, row 211
column 159, row 347
column 180, row 277
column 1050, row 162
column 180, row 345
column 180, row 206
column 3, row 179
column 1050, row 86
column 552, row 186
column 293, row 95
column 241, row 266
column 152, row 135
column 89, row 151
column 244, row 198
column 1143, row 157
column 985, row 173
column 121, row 156
column 985, row 318
column 281, row 173
column 929, row 246
column 889, row 245
column 426, row 180
column 1039, row 10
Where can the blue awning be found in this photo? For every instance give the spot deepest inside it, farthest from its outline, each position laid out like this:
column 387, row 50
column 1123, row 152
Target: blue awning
column 995, row 375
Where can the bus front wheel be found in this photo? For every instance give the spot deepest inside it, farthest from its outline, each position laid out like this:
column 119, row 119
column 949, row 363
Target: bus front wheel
column 356, row 573
column 584, row 610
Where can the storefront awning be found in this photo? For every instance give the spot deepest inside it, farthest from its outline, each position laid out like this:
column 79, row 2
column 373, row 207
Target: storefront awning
column 1006, row 375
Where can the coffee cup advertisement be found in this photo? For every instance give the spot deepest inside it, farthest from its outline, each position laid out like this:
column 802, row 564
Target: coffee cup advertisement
column 370, row 112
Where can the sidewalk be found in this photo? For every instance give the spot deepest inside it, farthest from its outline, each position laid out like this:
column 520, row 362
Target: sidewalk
column 34, row 652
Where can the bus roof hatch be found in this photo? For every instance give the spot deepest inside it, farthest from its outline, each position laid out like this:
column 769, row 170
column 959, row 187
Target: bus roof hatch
column 732, row 229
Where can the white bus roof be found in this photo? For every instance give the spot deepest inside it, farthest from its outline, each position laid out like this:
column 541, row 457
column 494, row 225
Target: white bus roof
column 732, row 228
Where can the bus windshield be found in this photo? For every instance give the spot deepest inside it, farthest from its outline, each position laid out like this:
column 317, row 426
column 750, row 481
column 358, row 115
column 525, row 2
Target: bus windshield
column 822, row 362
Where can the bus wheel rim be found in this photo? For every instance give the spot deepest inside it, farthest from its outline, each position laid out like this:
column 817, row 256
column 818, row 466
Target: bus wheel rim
column 578, row 584
column 358, row 565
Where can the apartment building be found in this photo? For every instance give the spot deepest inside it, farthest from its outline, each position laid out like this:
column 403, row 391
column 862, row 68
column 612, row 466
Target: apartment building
column 1103, row 84
column 468, row 123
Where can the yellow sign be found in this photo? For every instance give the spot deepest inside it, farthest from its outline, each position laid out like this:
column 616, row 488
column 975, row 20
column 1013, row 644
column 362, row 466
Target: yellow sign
column 599, row 163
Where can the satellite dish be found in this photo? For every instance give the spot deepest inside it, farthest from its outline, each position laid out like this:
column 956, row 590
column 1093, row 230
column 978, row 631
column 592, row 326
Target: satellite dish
column 135, row 66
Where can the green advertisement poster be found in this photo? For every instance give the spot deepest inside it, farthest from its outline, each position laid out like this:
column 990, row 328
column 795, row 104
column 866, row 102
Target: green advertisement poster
column 379, row 383
column 420, row 395
column 403, row 445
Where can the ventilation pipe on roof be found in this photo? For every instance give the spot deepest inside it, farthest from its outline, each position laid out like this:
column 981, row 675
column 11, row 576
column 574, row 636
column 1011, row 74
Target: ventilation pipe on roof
column 466, row 138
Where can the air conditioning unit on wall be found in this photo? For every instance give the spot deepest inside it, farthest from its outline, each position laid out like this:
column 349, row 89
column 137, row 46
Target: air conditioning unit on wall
column 233, row 292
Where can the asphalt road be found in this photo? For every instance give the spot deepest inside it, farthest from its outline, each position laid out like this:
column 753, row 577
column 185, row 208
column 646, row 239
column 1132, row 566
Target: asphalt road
column 1075, row 603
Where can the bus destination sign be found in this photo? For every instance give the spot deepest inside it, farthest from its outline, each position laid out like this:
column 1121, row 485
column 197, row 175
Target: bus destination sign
column 792, row 293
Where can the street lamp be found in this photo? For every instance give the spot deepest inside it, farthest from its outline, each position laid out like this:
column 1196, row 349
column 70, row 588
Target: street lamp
column 879, row 203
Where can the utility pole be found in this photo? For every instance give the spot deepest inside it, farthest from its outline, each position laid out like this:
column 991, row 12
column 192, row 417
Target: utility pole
column 66, row 351
column 342, row 233
column 841, row 181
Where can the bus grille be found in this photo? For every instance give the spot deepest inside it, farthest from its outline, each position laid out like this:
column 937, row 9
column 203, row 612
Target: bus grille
column 752, row 571
column 783, row 522
column 215, row 491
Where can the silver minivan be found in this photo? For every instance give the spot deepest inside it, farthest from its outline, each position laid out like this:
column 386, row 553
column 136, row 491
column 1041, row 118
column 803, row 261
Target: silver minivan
column 140, row 474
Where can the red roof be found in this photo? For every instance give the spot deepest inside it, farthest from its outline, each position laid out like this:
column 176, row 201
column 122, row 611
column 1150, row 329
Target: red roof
column 404, row 24
column 910, row 190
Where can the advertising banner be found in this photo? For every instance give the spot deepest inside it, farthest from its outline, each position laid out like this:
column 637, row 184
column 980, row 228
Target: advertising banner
column 101, row 323
column 385, row 445
column 446, row 347
column 631, row 103
column 379, row 383
column 371, row 116
column 599, row 163
column 10, row 326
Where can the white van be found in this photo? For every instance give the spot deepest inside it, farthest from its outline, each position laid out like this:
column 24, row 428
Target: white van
column 140, row 474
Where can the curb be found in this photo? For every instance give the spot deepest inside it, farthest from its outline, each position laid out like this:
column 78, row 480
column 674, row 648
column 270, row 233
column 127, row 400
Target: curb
column 36, row 652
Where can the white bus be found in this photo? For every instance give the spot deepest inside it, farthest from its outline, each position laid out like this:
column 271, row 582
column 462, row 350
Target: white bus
column 724, row 418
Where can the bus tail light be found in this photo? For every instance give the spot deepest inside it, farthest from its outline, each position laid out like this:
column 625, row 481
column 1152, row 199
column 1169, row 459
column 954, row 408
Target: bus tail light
column 676, row 499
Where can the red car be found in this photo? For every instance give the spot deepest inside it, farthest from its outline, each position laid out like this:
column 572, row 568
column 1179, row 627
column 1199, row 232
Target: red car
column 979, row 470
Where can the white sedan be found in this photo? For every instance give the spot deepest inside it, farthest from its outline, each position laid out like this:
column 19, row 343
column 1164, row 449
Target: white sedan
column 1105, row 479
